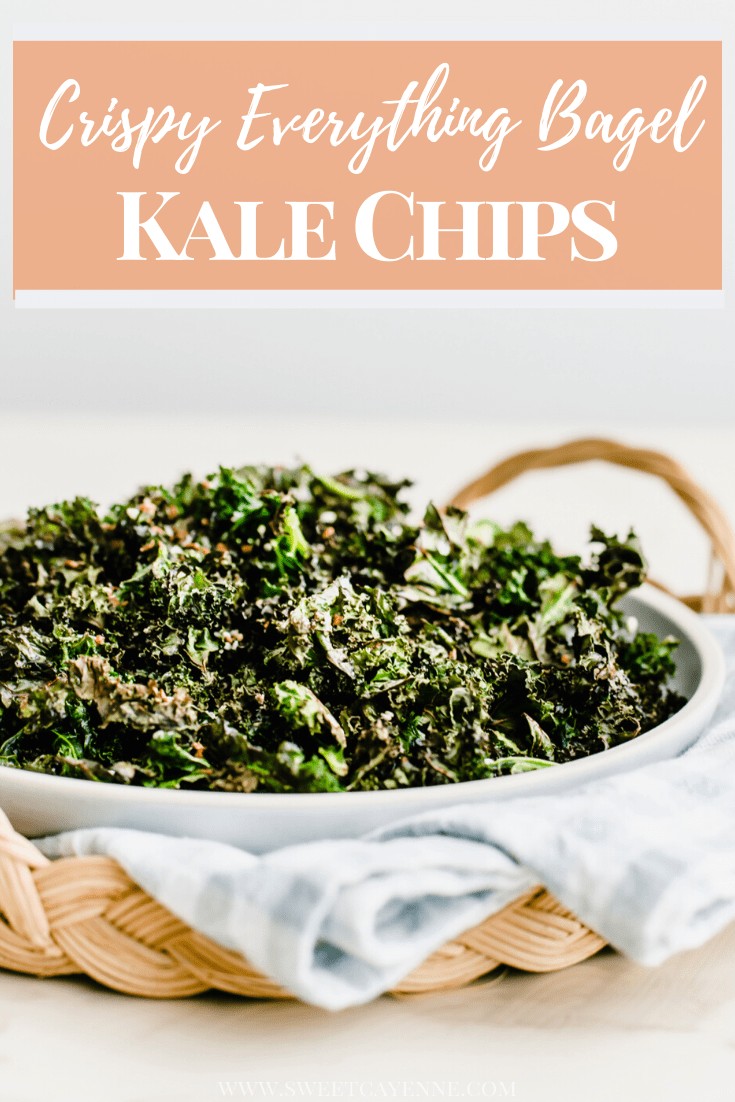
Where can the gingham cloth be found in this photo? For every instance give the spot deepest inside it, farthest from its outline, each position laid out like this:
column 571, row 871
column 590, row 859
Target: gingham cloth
column 647, row 859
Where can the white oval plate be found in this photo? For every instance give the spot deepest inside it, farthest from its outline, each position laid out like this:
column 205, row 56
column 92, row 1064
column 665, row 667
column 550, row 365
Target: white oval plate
column 38, row 804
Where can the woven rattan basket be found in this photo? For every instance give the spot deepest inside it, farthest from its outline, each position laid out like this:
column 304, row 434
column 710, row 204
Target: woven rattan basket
column 84, row 914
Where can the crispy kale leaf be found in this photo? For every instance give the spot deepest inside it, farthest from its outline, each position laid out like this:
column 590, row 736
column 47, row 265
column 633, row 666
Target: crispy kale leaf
column 277, row 630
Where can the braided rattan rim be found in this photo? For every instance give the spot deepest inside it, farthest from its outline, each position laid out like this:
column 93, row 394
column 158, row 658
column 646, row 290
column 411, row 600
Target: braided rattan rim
column 85, row 915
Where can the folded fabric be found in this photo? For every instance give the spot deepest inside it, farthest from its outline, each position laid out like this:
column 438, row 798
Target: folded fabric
column 647, row 859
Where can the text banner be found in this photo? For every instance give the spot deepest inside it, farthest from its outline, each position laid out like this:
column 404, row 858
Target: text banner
column 363, row 166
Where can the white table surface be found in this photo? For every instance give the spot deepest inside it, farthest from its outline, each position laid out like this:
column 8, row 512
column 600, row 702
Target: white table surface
column 604, row 1030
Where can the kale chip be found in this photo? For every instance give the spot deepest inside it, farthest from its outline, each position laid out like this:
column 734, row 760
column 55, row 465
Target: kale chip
column 276, row 630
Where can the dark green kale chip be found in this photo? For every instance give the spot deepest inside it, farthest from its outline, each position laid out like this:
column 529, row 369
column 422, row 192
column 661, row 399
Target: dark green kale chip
column 277, row 630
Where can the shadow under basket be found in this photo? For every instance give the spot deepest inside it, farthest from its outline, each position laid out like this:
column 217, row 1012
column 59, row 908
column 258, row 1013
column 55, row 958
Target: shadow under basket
column 85, row 915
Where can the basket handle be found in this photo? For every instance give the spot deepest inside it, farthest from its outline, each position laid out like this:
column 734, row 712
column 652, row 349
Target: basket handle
column 720, row 592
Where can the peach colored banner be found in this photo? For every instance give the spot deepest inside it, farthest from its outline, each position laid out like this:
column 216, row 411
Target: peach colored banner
column 367, row 165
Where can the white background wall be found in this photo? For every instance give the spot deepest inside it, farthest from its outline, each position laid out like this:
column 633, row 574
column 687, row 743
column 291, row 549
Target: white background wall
column 495, row 365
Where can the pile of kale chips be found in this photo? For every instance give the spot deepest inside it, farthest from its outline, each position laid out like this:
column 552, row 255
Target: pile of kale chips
column 274, row 630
